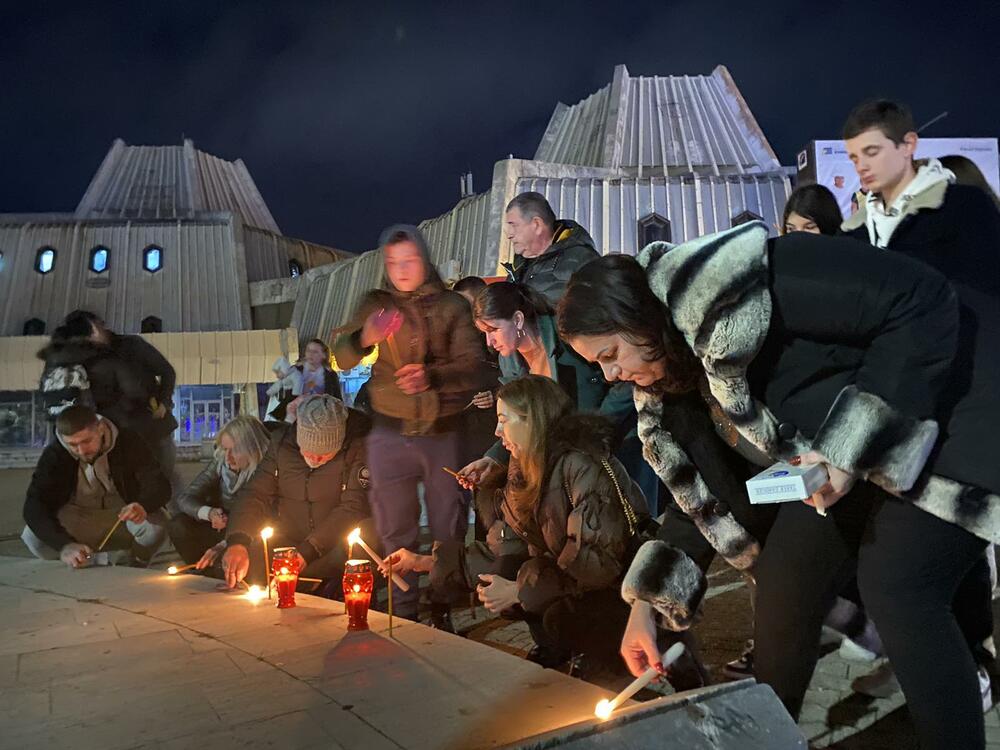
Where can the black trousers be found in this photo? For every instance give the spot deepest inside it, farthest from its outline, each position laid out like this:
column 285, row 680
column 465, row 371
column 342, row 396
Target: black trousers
column 910, row 567
column 191, row 537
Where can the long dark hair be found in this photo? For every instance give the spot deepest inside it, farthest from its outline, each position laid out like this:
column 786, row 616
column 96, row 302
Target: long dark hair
column 501, row 300
column 610, row 295
column 816, row 203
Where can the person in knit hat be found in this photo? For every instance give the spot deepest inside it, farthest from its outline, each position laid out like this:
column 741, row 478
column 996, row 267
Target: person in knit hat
column 311, row 488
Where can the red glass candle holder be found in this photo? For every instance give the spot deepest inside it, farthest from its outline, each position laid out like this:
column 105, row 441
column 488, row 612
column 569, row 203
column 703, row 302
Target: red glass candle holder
column 285, row 568
column 358, row 582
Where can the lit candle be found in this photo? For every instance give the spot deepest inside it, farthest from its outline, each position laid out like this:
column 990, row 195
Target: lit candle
column 606, row 707
column 174, row 570
column 285, row 573
column 358, row 585
column 266, row 533
column 355, row 538
column 254, row 594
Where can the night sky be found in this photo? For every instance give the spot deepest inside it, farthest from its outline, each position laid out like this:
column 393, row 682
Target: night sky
column 351, row 116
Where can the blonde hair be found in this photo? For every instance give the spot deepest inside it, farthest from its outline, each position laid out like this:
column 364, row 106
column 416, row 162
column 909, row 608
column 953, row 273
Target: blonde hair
column 541, row 402
column 250, row 438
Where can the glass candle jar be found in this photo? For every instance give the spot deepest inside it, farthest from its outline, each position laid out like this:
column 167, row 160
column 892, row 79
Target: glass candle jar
column 285, row 568
column 358, row 583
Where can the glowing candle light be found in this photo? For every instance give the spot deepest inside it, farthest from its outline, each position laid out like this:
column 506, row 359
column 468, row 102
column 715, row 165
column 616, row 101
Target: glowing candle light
column 174, row 570
column 254, row 594
column 607, row 707
column 355, row 538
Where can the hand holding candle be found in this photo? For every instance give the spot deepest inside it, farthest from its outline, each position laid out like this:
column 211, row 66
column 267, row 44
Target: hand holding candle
column 355, row 538
column 606, row 707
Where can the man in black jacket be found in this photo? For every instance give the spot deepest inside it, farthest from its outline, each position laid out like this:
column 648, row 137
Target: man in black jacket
column 922, row 213
column 311, row 487
column 547, row 251
column 149, row 372
column 92, row 475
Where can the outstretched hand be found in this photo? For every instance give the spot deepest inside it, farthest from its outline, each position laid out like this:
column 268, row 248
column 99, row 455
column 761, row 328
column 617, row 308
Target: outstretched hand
column 380, row 325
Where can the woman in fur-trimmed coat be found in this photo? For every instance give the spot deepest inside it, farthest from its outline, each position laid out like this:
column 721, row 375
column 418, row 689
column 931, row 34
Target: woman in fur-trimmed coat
column 816, row 347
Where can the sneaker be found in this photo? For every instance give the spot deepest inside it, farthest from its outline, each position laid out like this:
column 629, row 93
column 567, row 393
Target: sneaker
column 854, row 651
column 881, row 683
column 741, row 668
column 985, row 689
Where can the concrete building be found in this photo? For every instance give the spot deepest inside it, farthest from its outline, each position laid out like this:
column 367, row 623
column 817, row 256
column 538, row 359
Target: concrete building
column 175, row 240
column 645, row 157
column 166, row 241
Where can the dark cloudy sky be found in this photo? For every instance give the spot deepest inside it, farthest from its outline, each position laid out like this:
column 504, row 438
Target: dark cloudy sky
column 354, row 115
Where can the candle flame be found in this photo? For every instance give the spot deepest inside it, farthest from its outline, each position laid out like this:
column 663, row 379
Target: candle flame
column 266, row 533
column 354, row 537
column 172, row 570
column 357, row 587
column 603, row 710
column 255, row 594
column 284, row 571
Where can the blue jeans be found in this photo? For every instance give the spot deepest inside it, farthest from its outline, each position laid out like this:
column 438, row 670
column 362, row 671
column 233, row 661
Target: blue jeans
column 398, row 463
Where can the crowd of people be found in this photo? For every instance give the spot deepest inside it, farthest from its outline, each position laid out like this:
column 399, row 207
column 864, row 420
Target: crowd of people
column 602, row 415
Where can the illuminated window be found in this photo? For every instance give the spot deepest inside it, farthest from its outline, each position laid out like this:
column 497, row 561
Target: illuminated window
column 294, row 269
column 99, row 259
column 152, row 258
column 45, row 260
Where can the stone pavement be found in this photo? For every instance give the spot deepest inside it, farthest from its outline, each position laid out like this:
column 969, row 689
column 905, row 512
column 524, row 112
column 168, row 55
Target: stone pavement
column 126, row 658
column 833, row 715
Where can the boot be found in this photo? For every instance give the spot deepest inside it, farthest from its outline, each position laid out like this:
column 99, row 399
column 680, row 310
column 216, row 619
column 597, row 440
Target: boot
column 441, row 617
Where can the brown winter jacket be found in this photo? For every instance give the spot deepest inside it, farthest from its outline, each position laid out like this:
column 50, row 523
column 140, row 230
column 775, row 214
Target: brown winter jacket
column 579, row 535
column 315, row 509
column 437, row 332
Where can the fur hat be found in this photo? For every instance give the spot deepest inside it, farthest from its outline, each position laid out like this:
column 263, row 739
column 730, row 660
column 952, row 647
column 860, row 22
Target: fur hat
column 321, row 422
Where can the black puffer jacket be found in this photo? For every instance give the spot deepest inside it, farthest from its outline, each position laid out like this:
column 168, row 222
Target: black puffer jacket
column 581, row 533
column 548, row 273
column 314, row 508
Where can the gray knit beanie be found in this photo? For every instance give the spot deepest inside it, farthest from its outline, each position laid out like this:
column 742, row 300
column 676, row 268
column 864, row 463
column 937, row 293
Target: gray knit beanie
column 321, row 422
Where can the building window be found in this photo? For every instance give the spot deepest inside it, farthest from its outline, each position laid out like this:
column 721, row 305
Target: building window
column 45, row 260
column 202, row 410
column 151, row 324
column 653, row 228
column 746, row 216
column 99, row 259
column 152, row 258
column 294, row 269
column 33, row 327
column 22, row 420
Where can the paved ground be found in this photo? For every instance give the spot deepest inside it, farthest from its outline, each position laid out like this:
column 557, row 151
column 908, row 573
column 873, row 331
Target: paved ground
column 833, row 716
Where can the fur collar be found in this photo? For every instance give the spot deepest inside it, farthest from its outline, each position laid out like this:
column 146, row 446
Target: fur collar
column 931, row 198
column 717, row 291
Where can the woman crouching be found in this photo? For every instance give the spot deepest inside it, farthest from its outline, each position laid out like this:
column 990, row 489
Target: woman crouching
column 573, row 508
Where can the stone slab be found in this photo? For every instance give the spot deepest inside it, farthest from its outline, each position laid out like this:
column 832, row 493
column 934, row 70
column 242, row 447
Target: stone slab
column 125, row 658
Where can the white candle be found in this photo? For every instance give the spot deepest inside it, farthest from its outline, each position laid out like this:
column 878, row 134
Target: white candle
column 355, row 538
column 606, row 707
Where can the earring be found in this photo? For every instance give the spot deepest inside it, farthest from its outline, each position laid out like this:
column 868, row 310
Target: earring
column 520, row 333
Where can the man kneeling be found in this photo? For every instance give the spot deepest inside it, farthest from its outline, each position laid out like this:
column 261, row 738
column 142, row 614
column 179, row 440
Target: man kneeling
column 311, row 487
column 91, row 476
